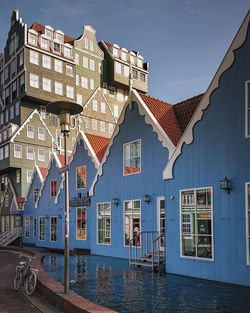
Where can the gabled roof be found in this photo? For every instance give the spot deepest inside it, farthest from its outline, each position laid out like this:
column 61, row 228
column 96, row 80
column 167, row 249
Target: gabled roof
column 184, row 110
column 99, row 144
column 61, row 159
column 226, row 63
column 165, row 115
column 43, row 171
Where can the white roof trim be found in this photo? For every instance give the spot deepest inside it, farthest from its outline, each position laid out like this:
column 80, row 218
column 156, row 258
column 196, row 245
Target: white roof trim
column 227, row 61
column 149, row 119
column 27, row 121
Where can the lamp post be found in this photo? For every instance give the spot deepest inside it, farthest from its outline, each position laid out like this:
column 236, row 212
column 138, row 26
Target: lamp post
column 65, row 109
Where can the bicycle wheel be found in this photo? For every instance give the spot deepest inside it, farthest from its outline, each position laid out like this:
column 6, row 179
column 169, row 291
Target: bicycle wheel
column 17, row 280
column 30, row 283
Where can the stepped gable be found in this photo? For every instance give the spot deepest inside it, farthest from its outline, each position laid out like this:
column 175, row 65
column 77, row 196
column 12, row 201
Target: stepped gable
column 165, row 115
column 43, row 171
column 99, row 144
column 39, row 28
column 184, row 110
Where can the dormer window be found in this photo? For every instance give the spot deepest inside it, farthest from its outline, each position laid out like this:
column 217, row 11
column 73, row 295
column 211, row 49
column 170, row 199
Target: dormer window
column 60, row 36
column 132, row 58
column 32, row 37
column 45, row 43
column 116, row 51
column 140, row 61
column 124, row 56
column 67, row 52
column 57, row 47
column 48, row 31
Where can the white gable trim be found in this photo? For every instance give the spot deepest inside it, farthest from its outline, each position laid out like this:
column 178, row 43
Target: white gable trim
column 149, row 119
column 40, row 176
column 227, row 61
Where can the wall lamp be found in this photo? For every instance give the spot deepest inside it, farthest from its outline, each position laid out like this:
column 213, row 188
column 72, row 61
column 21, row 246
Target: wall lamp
column 115, row 201
column 146, row 198
column 226, row 184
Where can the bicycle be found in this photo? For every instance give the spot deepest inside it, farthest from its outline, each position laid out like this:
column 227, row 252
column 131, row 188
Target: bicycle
column 25, row 276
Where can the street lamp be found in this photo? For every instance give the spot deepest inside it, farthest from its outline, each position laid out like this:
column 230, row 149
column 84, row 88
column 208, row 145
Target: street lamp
column 65, row 109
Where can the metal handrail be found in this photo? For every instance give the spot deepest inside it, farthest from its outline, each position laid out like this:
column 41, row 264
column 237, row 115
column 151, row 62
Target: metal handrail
column 10, row 235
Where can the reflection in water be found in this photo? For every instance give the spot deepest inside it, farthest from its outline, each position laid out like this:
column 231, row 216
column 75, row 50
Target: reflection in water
column 111, row 283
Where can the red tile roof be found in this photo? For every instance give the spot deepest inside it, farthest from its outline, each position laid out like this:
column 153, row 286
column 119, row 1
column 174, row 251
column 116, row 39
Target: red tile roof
column 107, row 44
column 43, row 171
column 165, row 115
column 99, row 144
column 184, row 110
column 62, row 159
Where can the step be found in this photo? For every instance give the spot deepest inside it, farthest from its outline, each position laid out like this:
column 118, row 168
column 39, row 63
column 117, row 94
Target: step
column 141, row 263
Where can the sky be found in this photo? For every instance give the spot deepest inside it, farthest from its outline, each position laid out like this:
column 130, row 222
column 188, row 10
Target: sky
column 184, row 41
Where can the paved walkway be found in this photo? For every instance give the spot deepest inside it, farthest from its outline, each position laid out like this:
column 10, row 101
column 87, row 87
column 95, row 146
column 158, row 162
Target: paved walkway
column 13, row 301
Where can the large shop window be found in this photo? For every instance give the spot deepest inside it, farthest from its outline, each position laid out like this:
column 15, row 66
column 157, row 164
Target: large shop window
column 104, row 223
column 132, row 222
column 248, row 222
column 132, row 157
column 42, row 228
column 81, row 223
column 53, row 228
column 196, row 223
column 81, row 177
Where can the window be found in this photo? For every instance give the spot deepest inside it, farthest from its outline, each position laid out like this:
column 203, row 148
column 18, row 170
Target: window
column 6, row 151
column 35, row 194
column 57, row 47
column 52, row 119
column 34, row 228
column 60, row 36
column 91, row 45
column 116, row 111
column 46, row 61
column 111, row 128
column 132, row 157
column 79, row 99
column 124, row 56
column 72, row 121
column 81, row 177
column 18, row 176
column 67, row 52
column 92, row 84
column 119, row 96
column 41, row 155
column 139, row 62
column 132, row 221
column 69, row 70
column 6, row 72
column 30, row 131
column 41, row 228
column 14, row 92
column 30, row 153
column 48, row 32
column 111, row 91
column 102, row 126
column 77, row 58
column 58, row 88
column 46, row 84
column 70, row 92
column 17, row 107
column 58, row 138
column 100, row 67
column 94, row 124
column 73, row 141
column 95, row 108
column 34, row 80
column 103, row 223
column 85, row 62
column 103, row 107
column 86, row 121
column 1, row 137
column 104, row 86
column 84, row 82
column 92, row 65
column 126, row 71
column 248, row 221
column 27, row 227
column 43, row 112
column 77, row 80
column 4, row 135
column 53, row 228
column 115, row 52
column 6, row 115
column 21, row 58
column 118, row 67
column 132, row 59
column 1, row 118
column 29, row 176
column 32, row 38
column 81, row 223
column 135, row 74
column 143, row 77
column 196, row 223
column 34, row 57
column 53, row 188
column 41, row 133
column 58, row 66
column 12, row 112
column 86, row 43
column 45, row 43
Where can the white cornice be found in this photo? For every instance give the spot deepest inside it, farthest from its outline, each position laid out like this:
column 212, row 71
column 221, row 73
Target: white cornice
column 226, row 63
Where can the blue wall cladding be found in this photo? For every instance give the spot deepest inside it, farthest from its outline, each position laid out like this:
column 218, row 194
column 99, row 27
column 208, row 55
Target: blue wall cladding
column 219, row 149
column 113, row 183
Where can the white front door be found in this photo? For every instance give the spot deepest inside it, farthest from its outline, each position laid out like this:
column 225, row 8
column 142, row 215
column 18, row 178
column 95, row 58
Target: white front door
column 161, row 220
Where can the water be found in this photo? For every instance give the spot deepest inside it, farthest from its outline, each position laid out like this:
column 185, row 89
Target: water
column 111, row 283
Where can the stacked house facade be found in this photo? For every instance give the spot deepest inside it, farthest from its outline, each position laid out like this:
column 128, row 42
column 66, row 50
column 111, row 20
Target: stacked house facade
column 39, row 65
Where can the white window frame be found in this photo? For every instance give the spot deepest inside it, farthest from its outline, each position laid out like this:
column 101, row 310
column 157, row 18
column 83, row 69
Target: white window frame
column 111, row 128
column 41, row 135
column 29, row 175
column 46, row 84
column 94, row 124
column 91, row 45
column 50, row 232
column 41, row 157
column 132, row 200
column 118, row 67
column 84, row 82
column 79, row 98
column 43, row 112
column 99, row 243
column 34, row 57
column 45, row 43
column 46, row 61
column 58, row 66
column 76, row 58
column 28, row 154
column 86, row 222
column 34, row 80
column 30, row 131
column 92, row 83
column 212, row 227
column 18, row 154
column 70, row 92
column 102, row 126
column 58, row 88
column 92, row 64
column 39, row 233
column 95, row 105
column 128, row 143
column 34, row 227
column 85, row 62
column 27, row 227
column 103, row 107
column 69, row 70
column 57, row 44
